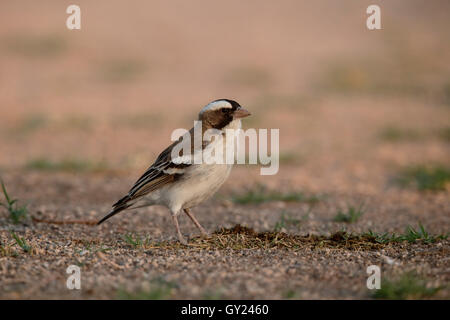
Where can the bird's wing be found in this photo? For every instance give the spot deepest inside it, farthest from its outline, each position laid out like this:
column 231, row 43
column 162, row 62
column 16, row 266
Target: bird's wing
column 163, row 171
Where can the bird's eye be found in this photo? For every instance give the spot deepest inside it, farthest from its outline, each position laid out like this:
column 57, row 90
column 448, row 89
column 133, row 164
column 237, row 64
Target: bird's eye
column 224, row 110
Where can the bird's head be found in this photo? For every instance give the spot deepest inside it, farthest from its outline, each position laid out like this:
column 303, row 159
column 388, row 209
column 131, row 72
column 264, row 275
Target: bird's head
column 223, row 113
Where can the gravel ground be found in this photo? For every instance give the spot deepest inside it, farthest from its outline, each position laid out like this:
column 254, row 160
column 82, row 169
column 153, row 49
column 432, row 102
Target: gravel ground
column 113, row 268
column 83, row 113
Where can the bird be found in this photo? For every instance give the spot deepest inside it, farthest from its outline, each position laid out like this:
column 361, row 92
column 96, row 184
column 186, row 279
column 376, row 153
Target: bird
column 180, row 185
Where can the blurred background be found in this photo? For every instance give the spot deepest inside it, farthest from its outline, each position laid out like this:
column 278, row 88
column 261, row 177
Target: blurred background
column 364, row 119
column 351, row 104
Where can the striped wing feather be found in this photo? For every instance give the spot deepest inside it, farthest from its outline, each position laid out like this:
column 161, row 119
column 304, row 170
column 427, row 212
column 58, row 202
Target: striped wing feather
column 152, row 179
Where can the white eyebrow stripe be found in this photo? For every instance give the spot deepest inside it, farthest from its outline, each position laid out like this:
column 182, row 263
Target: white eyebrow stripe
column 215, row 105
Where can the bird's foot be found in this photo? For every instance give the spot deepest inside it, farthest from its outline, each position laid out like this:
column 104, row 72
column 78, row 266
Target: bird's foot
column 206, row 235
column 182, row 239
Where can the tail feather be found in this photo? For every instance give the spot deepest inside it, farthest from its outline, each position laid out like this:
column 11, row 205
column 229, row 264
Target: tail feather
column 113, row 212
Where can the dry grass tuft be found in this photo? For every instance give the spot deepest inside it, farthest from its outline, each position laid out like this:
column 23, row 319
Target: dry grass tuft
column 240, row 237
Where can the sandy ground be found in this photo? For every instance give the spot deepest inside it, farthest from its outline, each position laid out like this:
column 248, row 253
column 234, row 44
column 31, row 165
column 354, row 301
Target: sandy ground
column 354, row 108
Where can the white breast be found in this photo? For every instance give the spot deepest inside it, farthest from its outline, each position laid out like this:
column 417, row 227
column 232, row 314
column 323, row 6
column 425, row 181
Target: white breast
column 198, row 184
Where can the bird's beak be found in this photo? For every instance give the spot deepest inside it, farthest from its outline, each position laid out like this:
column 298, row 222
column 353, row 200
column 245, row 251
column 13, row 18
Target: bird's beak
column 240, row 113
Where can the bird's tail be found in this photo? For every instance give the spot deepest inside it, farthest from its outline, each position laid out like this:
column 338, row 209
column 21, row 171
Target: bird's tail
column 114, row 211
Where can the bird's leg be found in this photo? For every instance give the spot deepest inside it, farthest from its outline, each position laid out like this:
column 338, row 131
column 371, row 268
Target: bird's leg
column 177, row 226
column 199, row 226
